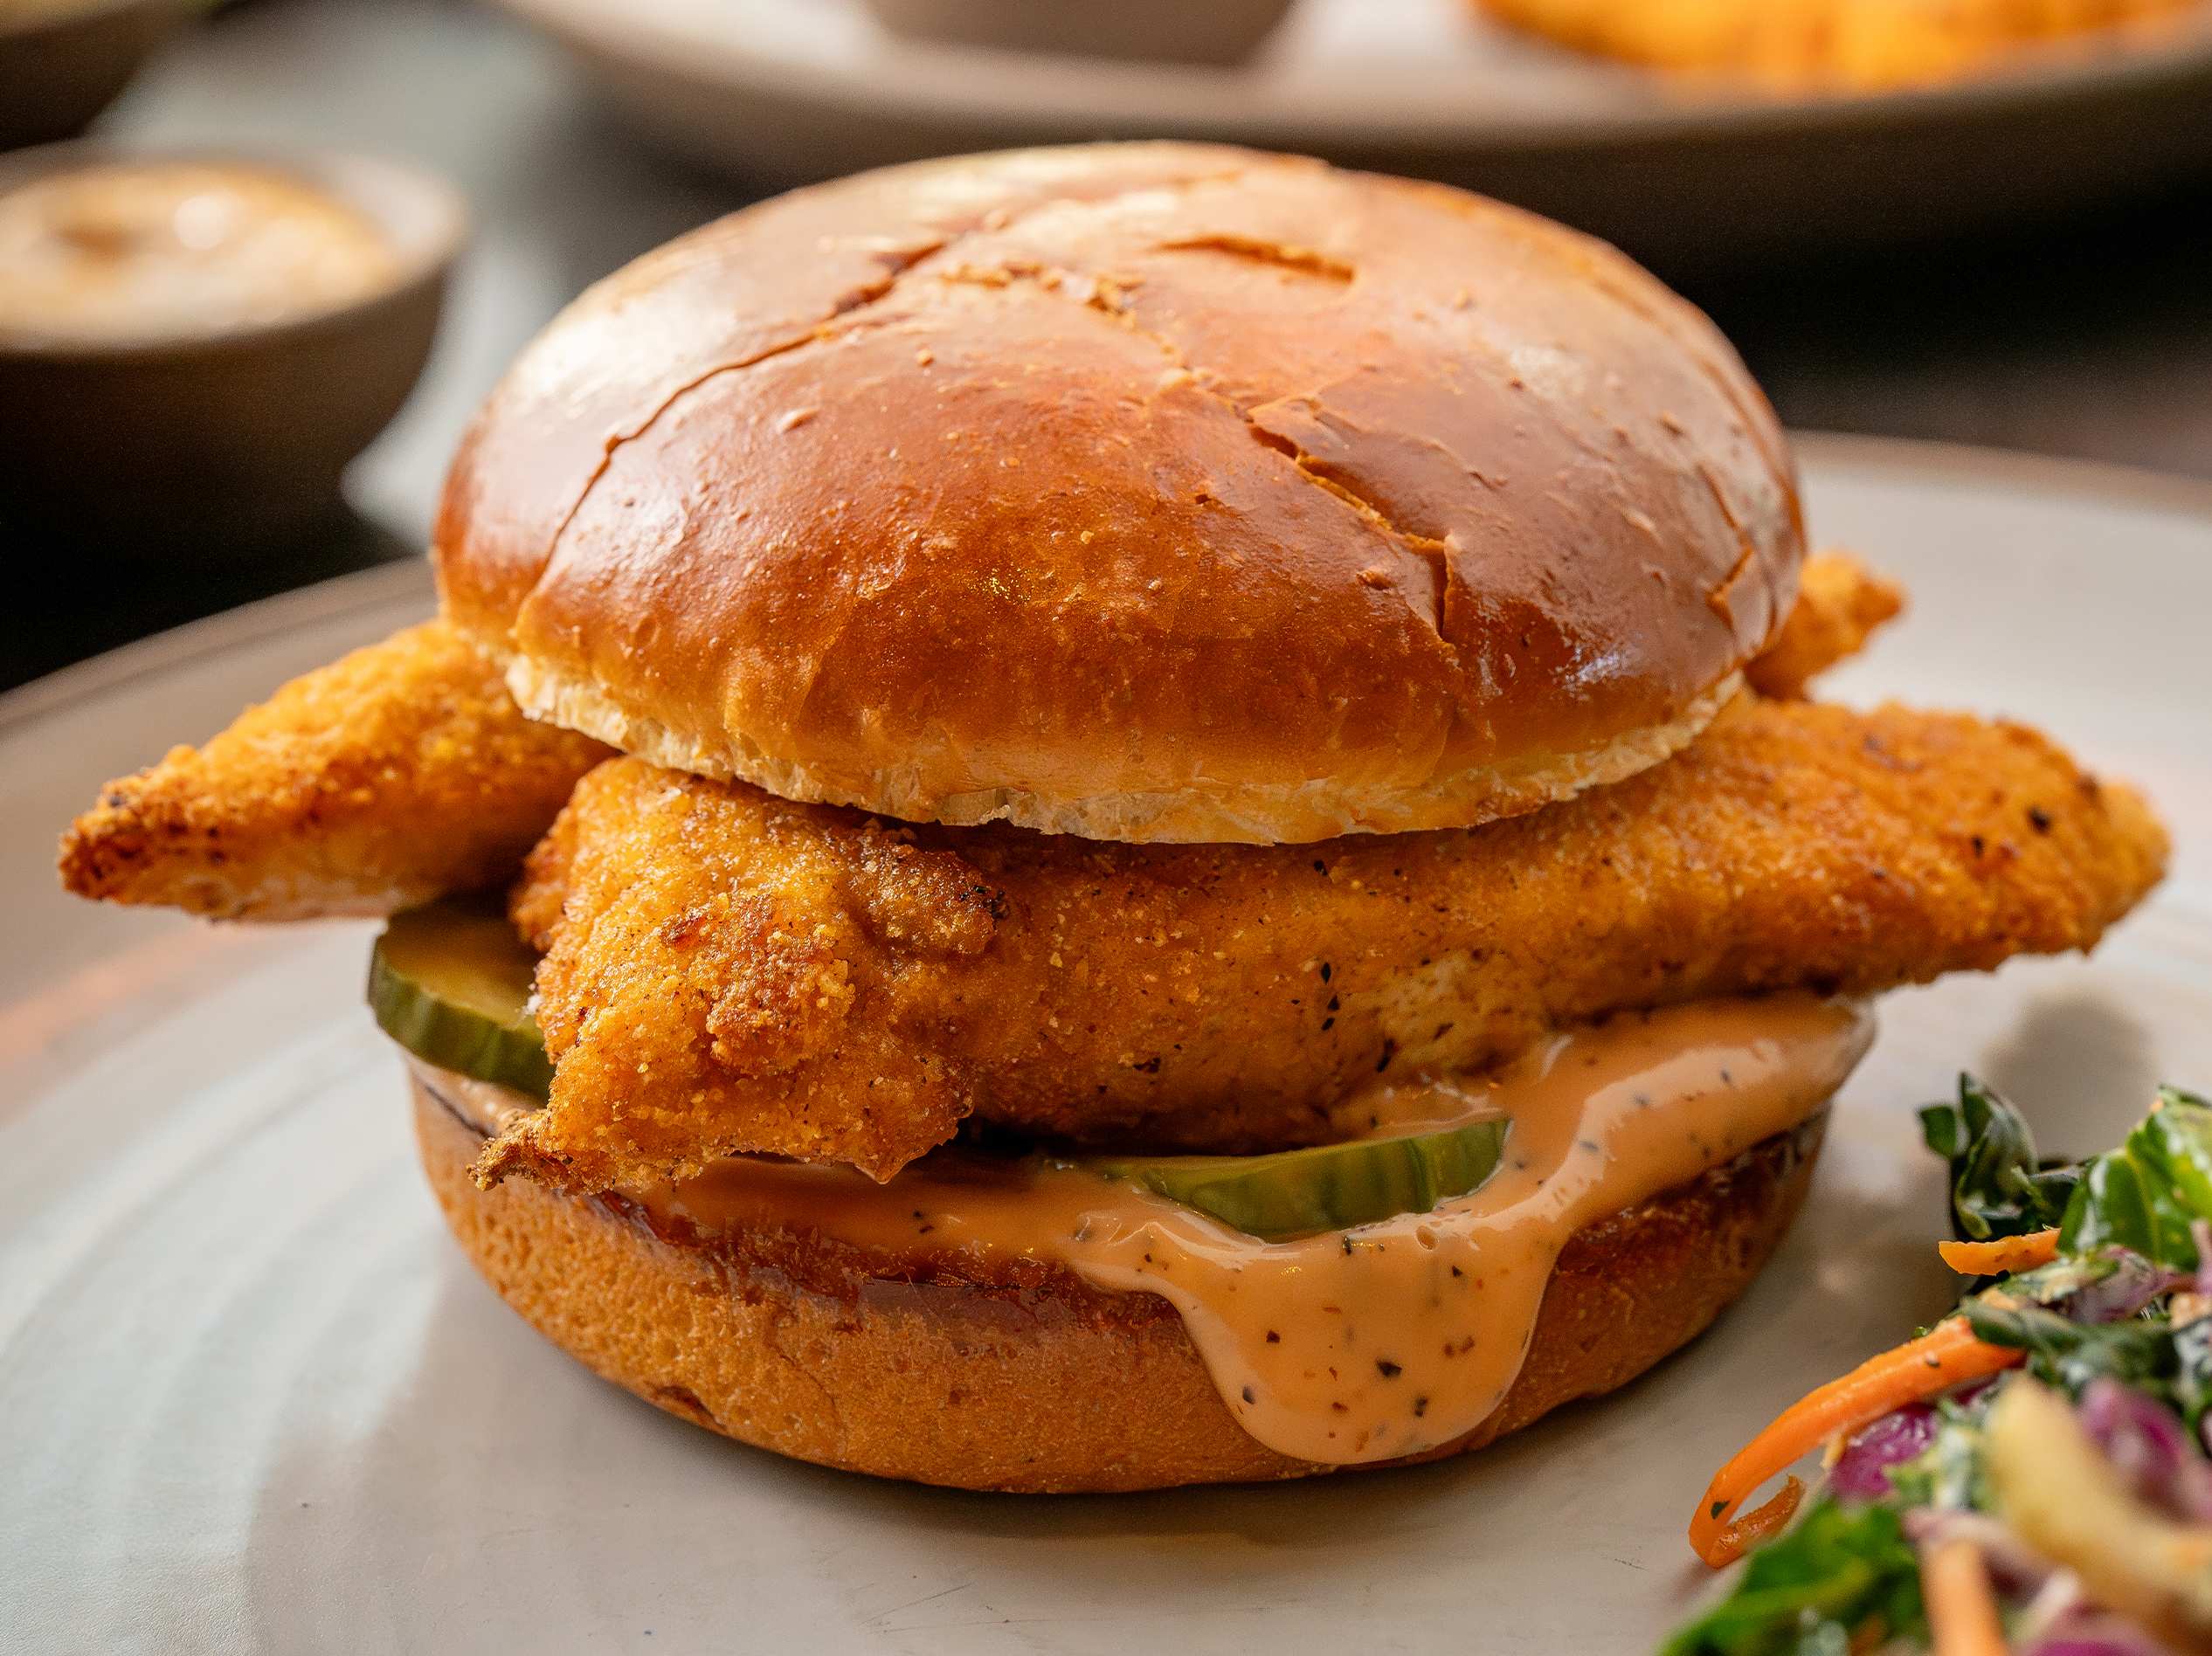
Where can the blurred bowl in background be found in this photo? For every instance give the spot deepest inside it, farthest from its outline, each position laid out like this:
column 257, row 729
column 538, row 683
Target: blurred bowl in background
column 64, row 61
column 1218, row 31
column 226, row 438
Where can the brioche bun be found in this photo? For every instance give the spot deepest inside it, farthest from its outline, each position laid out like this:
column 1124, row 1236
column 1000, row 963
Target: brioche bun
column 1033, row 1382
column 1147, row 492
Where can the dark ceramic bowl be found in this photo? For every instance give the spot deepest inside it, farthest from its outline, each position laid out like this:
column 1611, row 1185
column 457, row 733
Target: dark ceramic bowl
column 231, row 445
column 1221, row 31
column 57, row 71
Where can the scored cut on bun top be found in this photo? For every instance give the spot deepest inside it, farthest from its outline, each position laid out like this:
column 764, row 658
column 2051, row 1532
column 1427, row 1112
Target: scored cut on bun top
column 1146, row 492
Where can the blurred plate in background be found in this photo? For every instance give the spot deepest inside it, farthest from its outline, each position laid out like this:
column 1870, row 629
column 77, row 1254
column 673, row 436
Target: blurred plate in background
column 1679, row 169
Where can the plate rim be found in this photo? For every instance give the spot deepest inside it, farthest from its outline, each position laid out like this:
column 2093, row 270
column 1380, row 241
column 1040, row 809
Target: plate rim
column 2113, row 482
column 325, row 600
column 1712, row 106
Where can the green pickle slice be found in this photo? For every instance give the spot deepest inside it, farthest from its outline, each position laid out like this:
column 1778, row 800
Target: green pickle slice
column 1332, row 1187
column 451, row 983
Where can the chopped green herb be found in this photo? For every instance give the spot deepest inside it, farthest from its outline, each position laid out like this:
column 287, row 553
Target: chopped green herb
column 2143, row 1352
column 1998, row 1188
column 2143, row 1195
column 1849, row 1572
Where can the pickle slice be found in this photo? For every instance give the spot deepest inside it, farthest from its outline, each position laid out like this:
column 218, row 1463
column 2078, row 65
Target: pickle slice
column 1332, row 1187
column 452, row 984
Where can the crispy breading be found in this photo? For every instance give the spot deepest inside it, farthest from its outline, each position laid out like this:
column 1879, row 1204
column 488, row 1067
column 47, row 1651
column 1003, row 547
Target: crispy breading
column 1840, row 602
column 730, row 971
column 401, row 771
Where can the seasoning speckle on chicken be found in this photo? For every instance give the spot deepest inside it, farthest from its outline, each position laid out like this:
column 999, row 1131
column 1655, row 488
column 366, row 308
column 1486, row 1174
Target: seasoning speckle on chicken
column 730, row 971
column 400, row 772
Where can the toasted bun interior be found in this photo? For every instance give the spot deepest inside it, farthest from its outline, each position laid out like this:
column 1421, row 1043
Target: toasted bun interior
column 1026, row 1378
column 1145, row 492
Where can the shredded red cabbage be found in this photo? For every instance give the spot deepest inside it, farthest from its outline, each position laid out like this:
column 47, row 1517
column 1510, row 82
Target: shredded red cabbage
column 1864, row 1472
column 2146, row 1441
column 2127, row 1290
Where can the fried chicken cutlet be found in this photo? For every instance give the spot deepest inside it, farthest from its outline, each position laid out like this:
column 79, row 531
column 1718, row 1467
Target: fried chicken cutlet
column 399, row 772
column 732, row 972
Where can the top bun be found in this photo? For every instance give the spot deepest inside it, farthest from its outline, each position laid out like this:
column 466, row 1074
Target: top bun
column 1145, row 492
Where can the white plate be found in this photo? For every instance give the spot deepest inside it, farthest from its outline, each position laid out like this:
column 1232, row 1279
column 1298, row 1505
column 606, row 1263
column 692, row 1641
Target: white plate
column 251, row 1398
column 1679, row 166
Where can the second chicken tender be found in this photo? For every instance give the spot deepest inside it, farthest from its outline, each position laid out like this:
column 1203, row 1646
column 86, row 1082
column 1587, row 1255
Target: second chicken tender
column 399, row 772
column 1840, row 602
column 732, row 972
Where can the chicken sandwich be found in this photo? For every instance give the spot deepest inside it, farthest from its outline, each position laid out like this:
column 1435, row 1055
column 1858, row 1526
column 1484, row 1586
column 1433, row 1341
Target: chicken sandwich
column 1149, row 818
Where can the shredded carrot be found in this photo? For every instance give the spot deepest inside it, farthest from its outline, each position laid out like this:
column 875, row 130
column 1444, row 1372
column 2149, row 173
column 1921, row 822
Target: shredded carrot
column 1962, row 1611
column 2006, row 1254
column 1746, row 1532
column 1936, row 1361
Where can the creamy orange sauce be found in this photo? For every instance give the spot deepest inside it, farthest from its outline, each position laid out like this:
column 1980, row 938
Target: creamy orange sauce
column 1394, row 1337
column 139, row 252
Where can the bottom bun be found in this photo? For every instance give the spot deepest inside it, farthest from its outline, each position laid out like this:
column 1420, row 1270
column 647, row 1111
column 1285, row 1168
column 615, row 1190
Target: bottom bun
column 1041, row 1383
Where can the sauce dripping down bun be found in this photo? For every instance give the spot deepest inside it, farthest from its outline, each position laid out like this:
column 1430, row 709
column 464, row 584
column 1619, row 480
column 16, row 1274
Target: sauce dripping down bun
column 1009, row 1326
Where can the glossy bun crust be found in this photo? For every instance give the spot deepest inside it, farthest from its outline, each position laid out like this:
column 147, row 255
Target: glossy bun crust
column 1039, row 1383
column 1152, row 492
